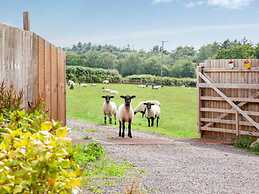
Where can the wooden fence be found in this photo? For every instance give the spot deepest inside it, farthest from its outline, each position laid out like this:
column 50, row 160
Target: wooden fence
column 228, row 99
column 35, row 66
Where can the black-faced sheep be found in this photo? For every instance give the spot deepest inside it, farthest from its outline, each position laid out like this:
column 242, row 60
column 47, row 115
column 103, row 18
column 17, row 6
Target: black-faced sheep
column 142, row 107
column 152, row 112
column 125, row 114
column 109, row 109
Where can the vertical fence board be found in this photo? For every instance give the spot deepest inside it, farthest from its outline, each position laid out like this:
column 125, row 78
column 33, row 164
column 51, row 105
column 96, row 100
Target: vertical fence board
column 33, row 65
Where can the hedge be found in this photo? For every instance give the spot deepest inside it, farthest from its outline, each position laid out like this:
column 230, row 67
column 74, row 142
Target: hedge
column 166, row 81
column 91, row 75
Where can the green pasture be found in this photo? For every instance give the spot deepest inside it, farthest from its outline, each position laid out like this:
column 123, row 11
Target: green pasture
column 178, row 107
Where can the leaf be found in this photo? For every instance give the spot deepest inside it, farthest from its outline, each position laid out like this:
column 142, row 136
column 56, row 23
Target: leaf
column 46, row 126
column 62, row 132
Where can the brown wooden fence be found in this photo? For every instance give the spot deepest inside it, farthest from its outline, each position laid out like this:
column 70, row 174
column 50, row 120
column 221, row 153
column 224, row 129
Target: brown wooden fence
column 32, row 64
column 228, row 99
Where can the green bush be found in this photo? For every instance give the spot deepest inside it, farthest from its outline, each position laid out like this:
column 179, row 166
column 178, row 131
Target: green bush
column 243, row 142
column 83, row 154
column 91, row 75
column 166, row 81
column 35, row 154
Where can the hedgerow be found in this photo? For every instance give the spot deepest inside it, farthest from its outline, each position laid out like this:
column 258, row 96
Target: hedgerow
column 91, row 75
column 166, row 81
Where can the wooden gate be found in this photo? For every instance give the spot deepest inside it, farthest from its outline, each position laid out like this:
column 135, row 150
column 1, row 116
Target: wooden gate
column 228, row 99
column 35, row 66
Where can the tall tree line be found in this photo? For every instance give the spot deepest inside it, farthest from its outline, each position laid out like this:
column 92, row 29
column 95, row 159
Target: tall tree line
column 180, row 62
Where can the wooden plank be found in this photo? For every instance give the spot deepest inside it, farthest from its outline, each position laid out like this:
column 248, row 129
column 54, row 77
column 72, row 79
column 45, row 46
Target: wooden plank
column 211, row 98
column 256, row 125
column 223, row 121
column 199, row 69
column 241, row 132
column 47, row 78
column 207, row 70
column 237, row 124
column 54, row 83
column 61, row 87
column 231, row 85
column 41, row 69
column 229, row 111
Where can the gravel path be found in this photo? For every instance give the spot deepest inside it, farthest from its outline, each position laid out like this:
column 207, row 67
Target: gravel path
column 178, row 166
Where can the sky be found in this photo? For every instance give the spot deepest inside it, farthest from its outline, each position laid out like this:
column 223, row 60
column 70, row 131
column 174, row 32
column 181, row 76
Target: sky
column 138, row 23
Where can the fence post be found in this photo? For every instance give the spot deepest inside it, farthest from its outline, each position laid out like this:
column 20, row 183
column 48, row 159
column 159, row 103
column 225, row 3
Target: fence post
column 199, row 70
column 26, row 21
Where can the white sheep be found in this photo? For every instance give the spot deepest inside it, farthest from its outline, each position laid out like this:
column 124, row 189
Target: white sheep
column 83, row 85
column 71, row 84
column 142, row 86
column 109, row 109
column 152, row 112
column 93, row 85
column 125, row 114
column 156, row 87
column 114, row 92
column 106, row 82
column 142, row 107
column 106, row 90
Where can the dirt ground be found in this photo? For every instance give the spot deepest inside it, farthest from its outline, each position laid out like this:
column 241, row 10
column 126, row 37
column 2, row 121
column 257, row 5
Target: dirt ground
column 176, row 165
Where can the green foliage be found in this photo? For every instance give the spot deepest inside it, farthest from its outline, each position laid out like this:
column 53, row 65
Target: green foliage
column 243, row 142
column 257, row 51
column 208, row 51
column 236, row 50
column 176, row 63
column 83, row 154
column 166, row 81
column 35, row 154
column 90, row 75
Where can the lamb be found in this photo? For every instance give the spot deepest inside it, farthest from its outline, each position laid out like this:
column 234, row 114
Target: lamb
column 125, row 114
column 142, row 107
column 71, row 84
column 105, row 81
column 109, row 109
column 152, row 112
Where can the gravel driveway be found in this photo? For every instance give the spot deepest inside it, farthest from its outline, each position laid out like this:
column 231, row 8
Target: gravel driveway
column 178, row 166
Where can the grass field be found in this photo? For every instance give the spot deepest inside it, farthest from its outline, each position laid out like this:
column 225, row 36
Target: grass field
column 178, row 107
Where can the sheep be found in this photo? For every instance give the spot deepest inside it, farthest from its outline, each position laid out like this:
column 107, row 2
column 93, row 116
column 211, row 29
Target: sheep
column 109, row 109
column 125, row 114
column 152, row 112
column 83, row 85
column 156, row 87
column 142, row 86
column 93, row 85
column 106, row 90
column 106, row 82
column 142, row 107
column 71, row 84
column 114, row 92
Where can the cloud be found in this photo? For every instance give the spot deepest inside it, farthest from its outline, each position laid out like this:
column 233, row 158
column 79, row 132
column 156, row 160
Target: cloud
column 191, row 4
column 230, row 4
column 161, row 1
